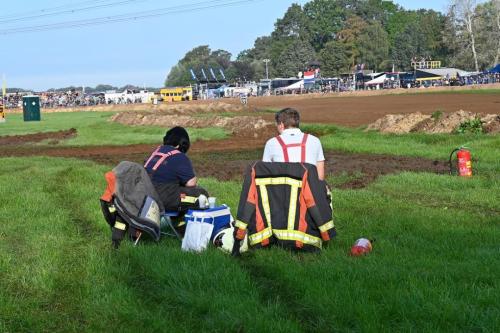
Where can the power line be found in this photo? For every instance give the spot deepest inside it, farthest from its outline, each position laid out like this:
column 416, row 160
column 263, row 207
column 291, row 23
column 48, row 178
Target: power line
column 50, row 9
column 69, row 11
column 128, row 17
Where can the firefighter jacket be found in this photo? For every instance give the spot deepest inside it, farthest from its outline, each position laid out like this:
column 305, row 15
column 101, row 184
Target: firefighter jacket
column 284, row 204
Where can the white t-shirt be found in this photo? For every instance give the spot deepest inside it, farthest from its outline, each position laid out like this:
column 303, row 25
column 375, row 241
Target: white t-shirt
column 274, row 153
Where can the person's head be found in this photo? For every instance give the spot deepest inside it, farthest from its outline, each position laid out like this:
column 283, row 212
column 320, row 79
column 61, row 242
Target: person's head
column 177, row 137
column 287, row 118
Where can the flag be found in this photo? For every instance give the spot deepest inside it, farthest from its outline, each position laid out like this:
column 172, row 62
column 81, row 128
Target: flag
column 213, row 74
column 204, row 75
column 222, row 74
column 193, row 75
column 308, row 77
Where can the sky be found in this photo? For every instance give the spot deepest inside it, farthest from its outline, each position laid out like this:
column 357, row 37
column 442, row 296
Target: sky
column 138, row 52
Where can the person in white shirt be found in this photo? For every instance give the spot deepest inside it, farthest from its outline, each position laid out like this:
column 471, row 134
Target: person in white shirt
column 292, row 145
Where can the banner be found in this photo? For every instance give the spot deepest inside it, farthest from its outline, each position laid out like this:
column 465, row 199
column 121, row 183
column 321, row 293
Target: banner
column 204, row 75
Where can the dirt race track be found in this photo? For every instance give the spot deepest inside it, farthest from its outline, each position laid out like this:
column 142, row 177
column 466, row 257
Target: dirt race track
column 359, row 111
column 346, row 109
column 226, row 159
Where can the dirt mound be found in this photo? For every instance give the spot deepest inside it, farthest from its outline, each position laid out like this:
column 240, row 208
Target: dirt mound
column 196, row 109
column 491, row 123
column 239, row 126
column 54, row 137
column 440, row 123
column 398, row 123
column 447, row 123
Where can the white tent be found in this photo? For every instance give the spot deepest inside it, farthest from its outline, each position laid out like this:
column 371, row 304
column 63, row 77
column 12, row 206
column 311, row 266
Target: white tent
column 379, row 80
column 295, row 86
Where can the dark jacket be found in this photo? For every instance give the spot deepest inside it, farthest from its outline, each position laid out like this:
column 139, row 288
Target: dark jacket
column 284, row 204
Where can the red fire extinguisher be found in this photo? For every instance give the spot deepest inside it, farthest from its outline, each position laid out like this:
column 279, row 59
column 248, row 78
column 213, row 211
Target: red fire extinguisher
column 464, row 162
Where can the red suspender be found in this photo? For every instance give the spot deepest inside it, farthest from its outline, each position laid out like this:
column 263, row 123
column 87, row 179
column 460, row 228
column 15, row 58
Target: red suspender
column 151, row 157
column 163, row 157
column 303, row 149
column 285, row 147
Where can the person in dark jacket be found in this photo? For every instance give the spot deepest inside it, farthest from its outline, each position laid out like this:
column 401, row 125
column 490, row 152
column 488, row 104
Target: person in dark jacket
column 172, row 173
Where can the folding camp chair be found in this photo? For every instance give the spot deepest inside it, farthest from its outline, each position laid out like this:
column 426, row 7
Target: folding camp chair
column 167, row 223
column 131, row 205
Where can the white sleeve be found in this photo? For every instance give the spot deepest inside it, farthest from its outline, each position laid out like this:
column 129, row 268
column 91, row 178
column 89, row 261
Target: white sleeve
column 321, row 156
column 267, row 157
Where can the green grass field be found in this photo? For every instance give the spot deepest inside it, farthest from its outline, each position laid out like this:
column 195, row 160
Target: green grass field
column 94, row 128
column 434, row 267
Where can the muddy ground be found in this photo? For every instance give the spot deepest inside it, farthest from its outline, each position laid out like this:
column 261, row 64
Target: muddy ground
column 52, row 137
column 225, row 159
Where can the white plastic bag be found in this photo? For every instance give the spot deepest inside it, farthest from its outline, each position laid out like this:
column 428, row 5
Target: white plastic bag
column 197, row 236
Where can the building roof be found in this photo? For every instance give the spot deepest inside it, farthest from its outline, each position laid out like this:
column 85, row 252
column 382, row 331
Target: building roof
column 443, row 72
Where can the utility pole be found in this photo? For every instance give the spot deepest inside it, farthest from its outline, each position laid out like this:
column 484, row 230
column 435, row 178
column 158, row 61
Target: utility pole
column 266, row 61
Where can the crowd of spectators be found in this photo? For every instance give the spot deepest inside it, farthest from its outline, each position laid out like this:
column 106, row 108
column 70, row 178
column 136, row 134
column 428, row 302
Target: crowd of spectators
column 66, row 99
column 69, row 99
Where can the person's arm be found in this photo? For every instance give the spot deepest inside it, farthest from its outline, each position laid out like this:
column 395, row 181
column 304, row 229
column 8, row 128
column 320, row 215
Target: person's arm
column 320, row 165
column 192, row 182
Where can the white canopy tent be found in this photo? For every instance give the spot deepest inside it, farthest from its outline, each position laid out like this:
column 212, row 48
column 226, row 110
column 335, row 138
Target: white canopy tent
column 379, row 80
column 297, row 85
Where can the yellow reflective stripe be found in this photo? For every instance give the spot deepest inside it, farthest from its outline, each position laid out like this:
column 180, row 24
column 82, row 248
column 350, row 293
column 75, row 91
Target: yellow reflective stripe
column 112, row 209
column 241, row 225
column 294, row 235
column 278, row 181
column 292, row 210
column 327, row 226
column 260, row 236
column 265, row 203
column 189, row 199
column 120, row 226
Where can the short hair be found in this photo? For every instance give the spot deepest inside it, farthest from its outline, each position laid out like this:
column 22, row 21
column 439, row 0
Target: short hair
column 177, row 136
column 289, row 117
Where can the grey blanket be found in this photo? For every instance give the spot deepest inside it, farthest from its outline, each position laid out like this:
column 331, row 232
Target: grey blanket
column 133, row 185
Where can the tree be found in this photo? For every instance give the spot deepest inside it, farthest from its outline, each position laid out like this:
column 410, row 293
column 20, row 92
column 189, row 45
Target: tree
column 326, row 18
column 464, row 14
column 373, row 46
column 242, row 71
column 408, row 44
column 295, row 58
column 294, row 24
column 334, row 59
column 196, row 59
column 487, row 27
column 353, row 29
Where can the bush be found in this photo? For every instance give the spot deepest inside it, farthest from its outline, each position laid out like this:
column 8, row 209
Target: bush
column 436, row 115
column 473, row 126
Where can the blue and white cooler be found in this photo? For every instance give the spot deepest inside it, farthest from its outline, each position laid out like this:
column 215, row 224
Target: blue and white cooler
column 220, row 217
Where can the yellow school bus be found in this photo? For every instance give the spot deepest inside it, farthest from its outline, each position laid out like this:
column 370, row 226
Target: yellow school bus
column 176, row 94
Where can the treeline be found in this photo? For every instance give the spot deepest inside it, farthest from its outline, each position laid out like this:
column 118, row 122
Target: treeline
column 339, row 34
